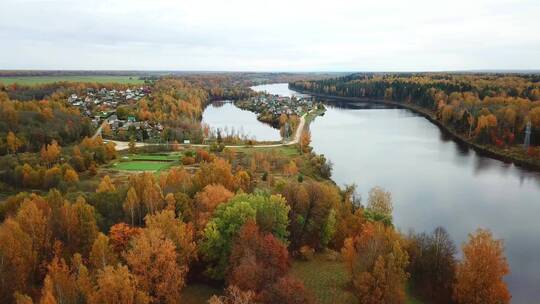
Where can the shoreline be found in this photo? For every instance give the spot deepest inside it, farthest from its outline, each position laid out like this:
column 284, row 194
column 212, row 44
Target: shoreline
column 123, row 145
column 482, row 150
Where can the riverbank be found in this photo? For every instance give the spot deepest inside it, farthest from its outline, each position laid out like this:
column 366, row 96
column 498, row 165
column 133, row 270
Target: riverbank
column 507, row 155
column 307, row 117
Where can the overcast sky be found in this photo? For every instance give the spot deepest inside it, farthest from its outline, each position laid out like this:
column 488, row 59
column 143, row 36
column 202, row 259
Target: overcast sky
column 292, row 35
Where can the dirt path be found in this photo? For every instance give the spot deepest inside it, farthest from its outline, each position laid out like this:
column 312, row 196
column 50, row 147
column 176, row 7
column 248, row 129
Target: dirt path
column 98, row 131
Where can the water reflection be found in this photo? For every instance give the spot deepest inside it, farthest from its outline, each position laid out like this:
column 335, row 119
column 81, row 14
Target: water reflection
column 436, row 181
column 230, row 120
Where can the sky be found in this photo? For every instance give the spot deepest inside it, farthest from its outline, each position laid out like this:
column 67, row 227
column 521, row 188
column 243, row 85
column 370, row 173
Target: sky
column 293, row 35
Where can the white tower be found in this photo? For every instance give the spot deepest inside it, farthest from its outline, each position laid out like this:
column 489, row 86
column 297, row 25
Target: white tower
column 527, row 135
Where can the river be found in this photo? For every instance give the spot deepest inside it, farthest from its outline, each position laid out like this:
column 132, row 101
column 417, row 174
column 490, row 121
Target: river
column 433, row 181
column 228, row 118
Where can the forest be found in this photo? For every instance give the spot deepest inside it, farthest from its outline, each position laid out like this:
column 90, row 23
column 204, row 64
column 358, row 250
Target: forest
column 487, row 109
column 237, row 221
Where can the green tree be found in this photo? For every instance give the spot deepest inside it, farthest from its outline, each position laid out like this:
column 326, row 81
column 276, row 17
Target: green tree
column 270, row 213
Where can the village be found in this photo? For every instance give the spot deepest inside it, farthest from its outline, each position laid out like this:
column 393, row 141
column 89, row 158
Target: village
column 270, row 107
column 114, row 107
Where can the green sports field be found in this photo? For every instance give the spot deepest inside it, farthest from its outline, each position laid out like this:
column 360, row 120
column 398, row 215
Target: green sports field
column 32, row 80
column 148, row 162
column 143, row 165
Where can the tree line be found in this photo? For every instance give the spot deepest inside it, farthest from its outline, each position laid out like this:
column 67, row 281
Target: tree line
column 486, row 108
column 142, row 239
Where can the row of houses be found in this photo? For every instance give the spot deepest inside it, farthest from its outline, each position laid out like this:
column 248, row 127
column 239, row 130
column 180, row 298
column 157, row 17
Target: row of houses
column 277, row 105
column 106, row 98
column 101, row 106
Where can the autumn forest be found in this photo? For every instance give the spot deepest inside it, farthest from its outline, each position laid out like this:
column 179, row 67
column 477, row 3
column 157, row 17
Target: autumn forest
column 223, row 223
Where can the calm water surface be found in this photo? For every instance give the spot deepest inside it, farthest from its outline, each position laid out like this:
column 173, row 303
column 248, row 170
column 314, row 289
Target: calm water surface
column 228, row 118
column 434, row 181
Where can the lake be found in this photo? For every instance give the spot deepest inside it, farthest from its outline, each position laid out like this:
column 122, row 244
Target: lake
column 433, row 181
column 228, row 118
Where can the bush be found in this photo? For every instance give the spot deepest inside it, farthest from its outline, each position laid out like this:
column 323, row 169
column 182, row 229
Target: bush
column 306, row 253
column 188, row 160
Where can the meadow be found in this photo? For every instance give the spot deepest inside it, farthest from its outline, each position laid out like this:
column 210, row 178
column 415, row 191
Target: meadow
column 33, row 80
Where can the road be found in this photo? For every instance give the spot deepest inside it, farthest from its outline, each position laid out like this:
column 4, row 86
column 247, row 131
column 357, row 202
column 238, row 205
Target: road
column 98, row 131
column 124, row 145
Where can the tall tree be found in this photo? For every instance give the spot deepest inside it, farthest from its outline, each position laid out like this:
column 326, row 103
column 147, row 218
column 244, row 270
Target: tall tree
column 180, row 233
column 377, row 261
column 164, row 280
column 432, row 265
column 116, row 285
column 106, row 185
column 269, row 212
column 102, row 253
column 13, row 142
column 207, row 201
column 17, row 259
column 132, row 205
column 479, row 276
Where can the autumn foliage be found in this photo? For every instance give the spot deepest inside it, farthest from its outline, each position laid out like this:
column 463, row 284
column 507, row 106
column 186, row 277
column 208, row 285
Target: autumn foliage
column 377, row 260
column 479, row 276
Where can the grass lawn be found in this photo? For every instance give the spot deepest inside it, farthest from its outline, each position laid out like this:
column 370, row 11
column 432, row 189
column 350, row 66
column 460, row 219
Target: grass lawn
column 328, row 280
column 32, row 80
column 143, row 165
column 154, row 157
column 284, row 150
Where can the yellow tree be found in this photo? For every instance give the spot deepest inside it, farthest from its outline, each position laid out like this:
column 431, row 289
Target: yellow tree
column 479, row 276
column 164, row 280
column 116, row 285
column 102, row 253
column 132, row 204
column 106, row 185
column 34, row 220
column 13, row 142
column 207, row 201
column 377, row 260
column 180, row 233
column 50, row 153
column 17, row 259
column 243, row 180
column 305, row 140
column 291, row 168
column 71, row 176
column 47, row 293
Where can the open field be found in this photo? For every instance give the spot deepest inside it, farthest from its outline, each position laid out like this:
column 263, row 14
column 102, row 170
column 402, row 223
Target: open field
column 32, row 80
column 143, row 165
column 147, row 162
column 155, row 157
column 284, row 150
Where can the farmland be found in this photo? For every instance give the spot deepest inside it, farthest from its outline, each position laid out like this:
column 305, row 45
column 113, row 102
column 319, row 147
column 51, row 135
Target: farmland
column 33, row 80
